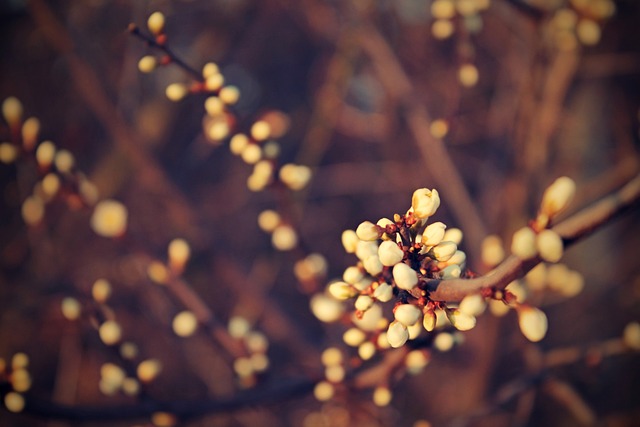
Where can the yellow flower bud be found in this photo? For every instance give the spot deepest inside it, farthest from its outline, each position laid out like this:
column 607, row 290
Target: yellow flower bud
column 523, row 244
column 532, row 322
column 425, row 202
column 549, row 245
column 557, row 196
column 155, row 23
column 109, row 218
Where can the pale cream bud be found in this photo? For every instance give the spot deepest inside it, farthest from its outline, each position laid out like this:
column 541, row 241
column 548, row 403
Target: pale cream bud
column 368, row 231
column 461, row 321
column 45, row 154
column 372, row 265
column 349, row 241
column 352, row 275
column 425, row 202
column 323, row 391
column 631, row 335
column 574, row 284
column 70, row 308
column 383, row 292
column 12, row 111
column 238, row 143
column 284, row 237
column 397, row 334
column 214, row 82
column 405, row 277
column 331, row 356
column 353, row 337
column 341, row 290
column 268, row 220
column 382, row 396
column 390, row 254
column 185, row 323
column 523, row 244
column 109, row 218
column 468, row 75
column 176, row 91
column 407, row 314
column 429, row 320
column 158, row 272
column 19, row 361
column 295, row 177
column 533, row 323
column 155, row 23
column 366, row 350
column 101, row 290
column 370, row 320
column 14, row 402
column 472, row 305
column 30, row 131
column 458, row 258
column 325, row 308
column 209, row 69
column 452, row 271
column 549, row 245
column 383, row 222
column 20, row 380
column 443, row 9
column 260, row 130
column 110, row 332
column 32, row 210
column 416, row 361
column 453, row 235
column 64, row 161
column 229, row 95
column 365, row 249
column 147, row 64
column 492, row 250
column 518, row 290
column 557, row 196
column 8, row 153
column 498, row 308
column 442, row 29
column 363, row 302
column 148, row 370
column 414, row 330
column 537, row 277
column 444, row 250
column 50, row 185
column 251, row 154
column 256, row 342
column 214, row 106
column 443, row 342
column 179, row 253
column 433, row 234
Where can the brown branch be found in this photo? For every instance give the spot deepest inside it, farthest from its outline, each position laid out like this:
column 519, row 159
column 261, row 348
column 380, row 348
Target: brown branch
column 572, row 229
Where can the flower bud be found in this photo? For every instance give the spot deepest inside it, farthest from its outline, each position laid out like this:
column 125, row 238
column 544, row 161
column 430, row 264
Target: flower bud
column 12, row 111
column 631, row 335
column 415, row 361
column 383, row 293
column 268, row 220
column 109, row 218
column 533, row 323
column 429, row 320
column 433, row 234
column 370, row 319
column 458, row 258
column 407, row 314
column 147, row 64
column 372, row 265
column 444, row 250
column 492, row 250
column 390, row 254
column 110, row 332
column 557, row 196
column 284, row 237
column 366, row 350
column 365, row 249
column 185, row 323
column 179, row 253
column 363, row 302
column 30, row 131
column 461, row 321
column 453, row 235
column 353, row 337
column 341, row 290
column 349, row 241
column 452, row 271
column 443, row 342
column 549, row 245
column 326, row 309
column 473, row 305
column 352, row 275
column 523, row 244
column 397, row 334
column 155, row 23
column 382, row 396
column 425, row 203
column 368, row 231
column 405, row 277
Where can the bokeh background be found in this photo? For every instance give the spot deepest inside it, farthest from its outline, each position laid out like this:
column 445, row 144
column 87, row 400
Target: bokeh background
column 360, row 83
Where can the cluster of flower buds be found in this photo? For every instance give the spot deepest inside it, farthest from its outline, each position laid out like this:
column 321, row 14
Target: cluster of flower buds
column 18, row 378
column 57, row 171
column 255, row 344
column 395, row 259
column 579, row 22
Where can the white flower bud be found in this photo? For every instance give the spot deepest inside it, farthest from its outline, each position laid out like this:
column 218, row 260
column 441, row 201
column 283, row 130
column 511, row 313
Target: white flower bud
column 433, row 234
column 365, row 249
column 350, row 241
column 372, row 265
column 574, row 284
column 284, row 237
column 498, row 308
column 453, row 235
column 353, row 337
column 492, row 251
column 352, row 275
column 472, row 305
column 518, row 290
column 383, row 222
column 429, row 320
column 424, row 203
column 390, row 254
column 458, row 258
column 523, row 244
column 414, row 330
column 368, row 231
column 452, row 271
column 416, row 361
column 405, row 277
column 109, row 218
column 382, row 396
column 325, row 308
column 397, row 334
column 549, row 245
column 443, row 342
column 370, row 319
column 363, row 302
column 444, row 250
column 461, row 321
column 557, row 196
column 537, row 277
column 383, row 293
column 407, row 314
column 366, row 350
column 533, row 323
column 341, row 290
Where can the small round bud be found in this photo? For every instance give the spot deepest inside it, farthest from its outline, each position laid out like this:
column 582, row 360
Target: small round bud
column 14, row 402
column 425, row 202
column 64, row 161
column 444, row 250
column 363, row 302
column 295, row 177
column 631, row 335
column 70, row 308
column 148, row 370
column 341, row 290
column 209, row 69
column 331, row 356
column 214, row 106
column 523, row 244
column 32, row 210
column 229, row 95
column 323, row 391
column 532, row 322
column 370, row 320
column 147, row 64
column 452, row 271
column 109, row 218
column 365, row 249
column 366, row 350
column 443, row 342
column 260, row 130
column 372, row 265
column 353, row 337
column 110, row 332
column 349, row 241
column 557, row 196
column 549, row 245
column 155, row 23
column 176, row 91
column 429, row 320
column 214, row 82
column 443, row 9
column 537, row 277
column 382, row 396
column 12, row 111
column 45, row 154
column 179, row 253
column 383, row 293
column 404, row 276
column 588, row 32
column 158, row 272
column 284, row 238
column 325, row 308
column 101, row 290
column 30, row 131
column 433, row 234
column 492, row 250
column 453, row 235
column 416, row 361
column 439, row 127
column 389, row 253
column 407, row 314
column 251, row 154
column 50, row 185
column 185, row 323
column 352, row 275
column 397, row 334
column 8, row 153
column 368, row 231
column 468, row 75
column 442, row 29
column 19, row 361
column 461, row 321
column 472, row 305
column 238, row 143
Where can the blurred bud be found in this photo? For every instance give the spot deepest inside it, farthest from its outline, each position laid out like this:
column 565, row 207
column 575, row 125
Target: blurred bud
column 353, row 337
column 631, row 335
column 30, row 131
column 251, row 154
column 383, row 293
column 295, row 177
column 323, row 391
column 588, row 32
column 368, row 231
column 70, row 308
column 331, row 356
column 549, row 245
column 366, row 350
column 185, row 323
column 284, row 237
column 370, row 320
column 110, row 332
column 557, row 196
column 452, row 271
column 148, row 370
column 443, row 342
column 179, row 253
column 325, row 308
column 460, row 320
column 523, row 244
column 8, row 153
column 472, row 305
column 19, row 361
column 442, row 29
column 12, row 111
column 341, row 290
column 492, row 250
column 147, row 64
column 349, row 241
column 176, row 91
column 260, row 130
column 397, row 334
column 425, row 203
column 32, row 210
column 372, row 265
column 101, row 290
column 537, row 277
column 109, row 218
column 439, row 127
column 238, row 143
column 155, row 23
column 453, row 235
column 533, row 323
column 45, row 154
column 14, row 402
column 443, row 9
column 158, row 272
column 229, row 95
column 404, row 276
column 50, row 185
column 382, row 396
column 407, row 314
column 416, row 361
column 468, row 75
column 363, row 302
column 209, row 69
column 498, row 308
column 64, row 161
